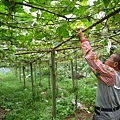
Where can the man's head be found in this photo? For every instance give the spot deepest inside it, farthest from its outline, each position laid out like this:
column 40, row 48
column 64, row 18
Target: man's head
column 114, row 61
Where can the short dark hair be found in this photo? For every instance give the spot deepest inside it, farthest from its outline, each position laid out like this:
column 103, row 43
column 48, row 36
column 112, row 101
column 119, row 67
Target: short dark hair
column 117, row 59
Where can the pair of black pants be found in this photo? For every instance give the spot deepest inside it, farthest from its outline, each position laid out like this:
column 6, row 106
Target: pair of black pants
column 99, row 117
column 96, row 117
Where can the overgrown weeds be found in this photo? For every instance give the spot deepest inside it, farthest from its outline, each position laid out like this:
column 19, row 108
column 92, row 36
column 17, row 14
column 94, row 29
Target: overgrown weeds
column 21, row 106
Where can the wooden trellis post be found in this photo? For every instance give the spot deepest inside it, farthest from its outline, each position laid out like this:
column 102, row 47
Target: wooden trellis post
column 72, row 74
column 49, row 73
column 20, row 73
column 56, row 77
column 32, row 81
column 35, row 72
column 40, row 71
column 76, row 66
column 53, row 78
column 24, row 76
column 76, row 82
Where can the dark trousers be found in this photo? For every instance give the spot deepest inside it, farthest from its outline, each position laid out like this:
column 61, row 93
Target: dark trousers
column 95, row 117
column 98, row 117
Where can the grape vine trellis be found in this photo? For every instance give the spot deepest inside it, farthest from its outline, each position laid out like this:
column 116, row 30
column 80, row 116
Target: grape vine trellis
column 47, row 25
column 31, row 29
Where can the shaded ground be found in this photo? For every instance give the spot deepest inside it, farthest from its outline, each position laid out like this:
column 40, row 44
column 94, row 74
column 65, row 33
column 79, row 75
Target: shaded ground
column 80, row 115
column 2, row 112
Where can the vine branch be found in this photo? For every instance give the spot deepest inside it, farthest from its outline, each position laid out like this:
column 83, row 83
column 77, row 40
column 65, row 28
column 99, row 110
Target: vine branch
column 94, row 24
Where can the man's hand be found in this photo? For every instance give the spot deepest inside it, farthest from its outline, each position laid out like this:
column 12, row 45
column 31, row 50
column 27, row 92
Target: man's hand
column 80, row 35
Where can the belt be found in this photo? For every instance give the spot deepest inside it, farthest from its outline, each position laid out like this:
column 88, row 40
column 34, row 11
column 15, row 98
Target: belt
column 105, row 109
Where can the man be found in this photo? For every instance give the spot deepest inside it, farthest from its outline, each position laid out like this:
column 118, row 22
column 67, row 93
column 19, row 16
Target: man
column 107, row 105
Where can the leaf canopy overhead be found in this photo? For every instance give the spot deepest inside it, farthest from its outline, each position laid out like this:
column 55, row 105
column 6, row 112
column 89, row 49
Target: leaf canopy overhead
column 33, row 28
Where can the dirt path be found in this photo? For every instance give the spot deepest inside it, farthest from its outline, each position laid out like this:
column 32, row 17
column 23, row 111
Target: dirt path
column 80, row 115
column 1, row 113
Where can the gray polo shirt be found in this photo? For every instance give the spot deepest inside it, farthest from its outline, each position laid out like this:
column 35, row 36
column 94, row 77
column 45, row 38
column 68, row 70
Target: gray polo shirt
column 109, row 97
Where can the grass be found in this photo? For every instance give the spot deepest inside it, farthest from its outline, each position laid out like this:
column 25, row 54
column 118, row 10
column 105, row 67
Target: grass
column 20, row 105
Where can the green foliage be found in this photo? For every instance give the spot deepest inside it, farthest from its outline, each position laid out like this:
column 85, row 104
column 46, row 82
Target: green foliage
column 113, row 2
column 19, row 104
column 106, row 2
column 50, row 22
column 62, row 30
column 87, row 94
column 64, row 107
